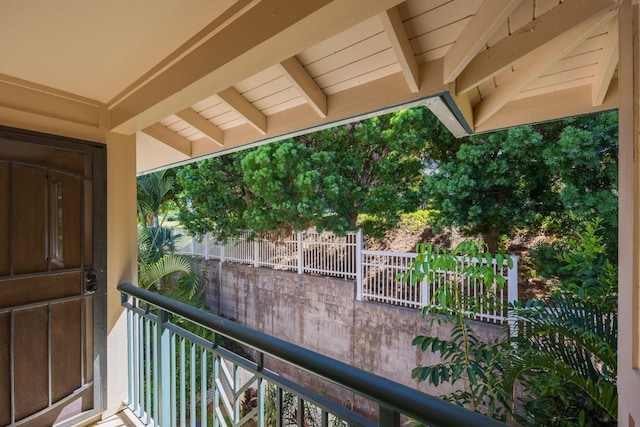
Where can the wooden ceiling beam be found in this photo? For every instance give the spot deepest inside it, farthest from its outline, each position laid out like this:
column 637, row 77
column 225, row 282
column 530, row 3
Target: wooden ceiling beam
column 238, row 45
column 532, row 67
column 169, row 137
column 529, row 39
column 606, row 65
column 394, row 28
column 298, row 76
column 491, row 15
column 213, row 132
column 240, row 105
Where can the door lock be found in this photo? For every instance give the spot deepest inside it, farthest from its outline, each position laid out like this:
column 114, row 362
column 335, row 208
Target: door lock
column 91, row 282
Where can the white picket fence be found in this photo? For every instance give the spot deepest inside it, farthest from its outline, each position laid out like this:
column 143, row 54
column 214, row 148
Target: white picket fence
column 376, row 272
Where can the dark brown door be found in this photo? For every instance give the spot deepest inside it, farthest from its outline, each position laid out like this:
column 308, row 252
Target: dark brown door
column 52, row 279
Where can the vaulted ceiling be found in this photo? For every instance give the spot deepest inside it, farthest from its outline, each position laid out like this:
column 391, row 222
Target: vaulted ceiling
column 197, row 77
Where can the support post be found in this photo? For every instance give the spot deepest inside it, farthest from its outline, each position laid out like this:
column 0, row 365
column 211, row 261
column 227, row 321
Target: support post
column 300, row 253
column 388, row 418
column 164, row 369
column 359, row 266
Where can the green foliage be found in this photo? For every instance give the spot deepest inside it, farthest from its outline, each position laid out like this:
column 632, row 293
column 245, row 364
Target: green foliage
column 521, row 177
column 584, row 158
column 565, row 353
column 492, row 184
column 157, row 268
column 325, row 179
column 289, row 188
column 466, row 360
column 417, row 220
column 565, row 356
column 581, row 265
column 154, row 191
column 213, row 197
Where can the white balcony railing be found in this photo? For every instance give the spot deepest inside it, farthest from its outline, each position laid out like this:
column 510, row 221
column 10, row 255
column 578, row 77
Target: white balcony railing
column 179, row 375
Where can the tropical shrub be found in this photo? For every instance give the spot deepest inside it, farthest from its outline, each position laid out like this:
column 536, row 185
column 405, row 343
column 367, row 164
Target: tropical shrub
column 473, row 365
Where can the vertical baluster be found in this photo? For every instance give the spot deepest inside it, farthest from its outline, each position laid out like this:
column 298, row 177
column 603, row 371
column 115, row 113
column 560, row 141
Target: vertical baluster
column 216, row 389
column 300, row 419
column 155, row 373
column 183, row 386
column 262, row 392
column 140, row 366
column 147, row 376
column 164, row 369
column 192, row 400
column 174, row 415
column 203, row 387
column 388, row 418
column 279, row 408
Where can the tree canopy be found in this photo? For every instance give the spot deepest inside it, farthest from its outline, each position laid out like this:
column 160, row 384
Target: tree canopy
column 492, row 184
column 369, row 172
column 324, row 179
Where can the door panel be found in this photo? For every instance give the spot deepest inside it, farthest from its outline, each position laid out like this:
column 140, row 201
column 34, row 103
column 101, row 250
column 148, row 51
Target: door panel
column 66, row 342
column 4, row 219
column 30, row 219
column 5, row 370
column 51, row 325
column 30, row 344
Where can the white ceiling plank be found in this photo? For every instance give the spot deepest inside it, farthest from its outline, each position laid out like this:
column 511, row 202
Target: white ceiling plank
column 237, row 47
column 298, row 76
column 203, row 125
column 169, row 137
column 489, row 18
column 394, row 28
column 606, row 65
column 529, row 39
column 533, row 67
column 240, row 105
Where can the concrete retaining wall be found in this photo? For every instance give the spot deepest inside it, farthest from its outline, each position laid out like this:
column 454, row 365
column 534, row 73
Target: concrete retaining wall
column 321, row 314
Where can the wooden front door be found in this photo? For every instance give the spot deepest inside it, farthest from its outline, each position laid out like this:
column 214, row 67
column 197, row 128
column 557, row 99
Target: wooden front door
column 52, row 279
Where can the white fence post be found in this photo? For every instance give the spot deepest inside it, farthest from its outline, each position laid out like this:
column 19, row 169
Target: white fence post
column 193, row 245
column 256, row 254
column 359, row 266
column 425, row 292
column 512, row 279
column 300, row 254
column 206, row 246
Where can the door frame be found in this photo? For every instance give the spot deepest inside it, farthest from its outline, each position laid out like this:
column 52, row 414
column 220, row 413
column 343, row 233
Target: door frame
column 98, row 153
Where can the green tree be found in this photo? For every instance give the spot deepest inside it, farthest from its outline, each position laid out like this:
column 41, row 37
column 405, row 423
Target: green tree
column 584, row 159
column 288, row 186
column 325, row 179
column 154, row 191
column 213, row 197
column 492, row 184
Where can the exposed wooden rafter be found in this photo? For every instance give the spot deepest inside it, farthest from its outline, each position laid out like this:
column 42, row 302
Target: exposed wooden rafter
column 490, row 16
column 532, row 67
column 243, row 107
column 212, row 131
column 268, row 32
column 606, row 65
column 298, row 76
column 394, row 28
column 529, row 39
column 169, row 137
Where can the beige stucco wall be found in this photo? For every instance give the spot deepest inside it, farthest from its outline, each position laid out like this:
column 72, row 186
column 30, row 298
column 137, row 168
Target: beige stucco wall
column 121, row 257
column 629, row 217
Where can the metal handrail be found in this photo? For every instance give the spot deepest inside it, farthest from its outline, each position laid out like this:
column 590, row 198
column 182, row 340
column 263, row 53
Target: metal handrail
column 393, row 398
